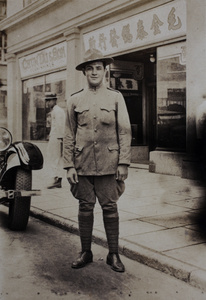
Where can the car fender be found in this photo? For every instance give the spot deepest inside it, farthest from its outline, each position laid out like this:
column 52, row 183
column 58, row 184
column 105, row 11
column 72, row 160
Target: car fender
column 13, row 161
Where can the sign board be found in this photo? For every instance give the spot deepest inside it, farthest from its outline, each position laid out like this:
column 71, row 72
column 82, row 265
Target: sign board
column 161, row 23
column 48, row 59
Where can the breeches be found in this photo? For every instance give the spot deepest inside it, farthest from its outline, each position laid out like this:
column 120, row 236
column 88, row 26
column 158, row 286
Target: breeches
column 105, row 188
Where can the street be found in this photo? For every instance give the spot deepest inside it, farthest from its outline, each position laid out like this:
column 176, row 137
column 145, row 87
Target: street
column 35, row 264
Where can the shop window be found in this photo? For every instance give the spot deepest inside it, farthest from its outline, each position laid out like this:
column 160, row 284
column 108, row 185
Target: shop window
column 36, row 114
column 171, row 97
column 3, row 47
column 3, row 108
column 2, row 9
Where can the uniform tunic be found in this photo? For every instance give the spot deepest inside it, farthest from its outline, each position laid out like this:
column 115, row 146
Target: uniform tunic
column 97, row 133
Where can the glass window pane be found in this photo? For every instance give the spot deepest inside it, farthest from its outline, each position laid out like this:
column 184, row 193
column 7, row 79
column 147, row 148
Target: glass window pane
column 33, row 109
column 55, row 83
column 36, row 115
column 3, row 108
column 171, row 97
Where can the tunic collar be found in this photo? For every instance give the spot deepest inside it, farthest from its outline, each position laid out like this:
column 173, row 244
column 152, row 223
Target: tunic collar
column 96, row 88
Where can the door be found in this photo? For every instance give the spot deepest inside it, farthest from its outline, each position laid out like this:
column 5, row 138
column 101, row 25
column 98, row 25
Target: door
column 136, row 80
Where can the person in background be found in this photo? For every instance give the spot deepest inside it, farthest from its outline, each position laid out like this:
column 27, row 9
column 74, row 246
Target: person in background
column 97, row 155
column 55, row 144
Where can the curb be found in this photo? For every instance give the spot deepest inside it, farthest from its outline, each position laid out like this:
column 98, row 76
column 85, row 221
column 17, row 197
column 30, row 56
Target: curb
column 182, row 271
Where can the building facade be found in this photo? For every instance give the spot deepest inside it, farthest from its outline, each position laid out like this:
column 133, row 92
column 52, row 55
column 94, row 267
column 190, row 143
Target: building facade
column 3, row 68
column 159, row 60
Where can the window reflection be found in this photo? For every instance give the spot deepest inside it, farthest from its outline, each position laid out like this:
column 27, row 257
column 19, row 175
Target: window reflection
column 131, row 89
column 36, row 115
column 3, row 108
column 171, row 97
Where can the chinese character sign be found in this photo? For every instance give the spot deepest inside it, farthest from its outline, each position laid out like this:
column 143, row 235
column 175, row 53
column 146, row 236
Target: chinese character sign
column 155, row 25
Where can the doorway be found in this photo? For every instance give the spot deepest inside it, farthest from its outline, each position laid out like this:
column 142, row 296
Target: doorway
column 134, row 75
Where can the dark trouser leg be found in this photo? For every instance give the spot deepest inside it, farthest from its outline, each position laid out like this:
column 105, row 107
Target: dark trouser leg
column 111, row 225
column 84, row 192
column 86, row 220
column 108, row 191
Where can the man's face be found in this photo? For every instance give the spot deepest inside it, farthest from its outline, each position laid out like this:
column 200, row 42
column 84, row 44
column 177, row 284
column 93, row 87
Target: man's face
column 51, row 103
column 94, row 73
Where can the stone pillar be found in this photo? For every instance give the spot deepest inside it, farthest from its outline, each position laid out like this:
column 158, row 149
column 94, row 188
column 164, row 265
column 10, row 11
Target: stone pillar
column 14, row 105
column 74, row 82
column 196, row 65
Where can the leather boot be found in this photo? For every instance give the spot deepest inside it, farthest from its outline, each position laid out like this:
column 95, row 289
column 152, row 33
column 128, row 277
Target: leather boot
column 111, row 225
column 114, row 261
column 84, row 258
column 57, row 183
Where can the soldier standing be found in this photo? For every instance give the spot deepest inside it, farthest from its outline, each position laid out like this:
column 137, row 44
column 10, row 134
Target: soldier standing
column 97, row 155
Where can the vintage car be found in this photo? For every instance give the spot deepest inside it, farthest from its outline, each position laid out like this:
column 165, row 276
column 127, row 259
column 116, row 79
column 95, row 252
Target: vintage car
column 17, row 160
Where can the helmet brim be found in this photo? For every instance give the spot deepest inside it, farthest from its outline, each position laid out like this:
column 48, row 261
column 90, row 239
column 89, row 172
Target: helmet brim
column 106, row 60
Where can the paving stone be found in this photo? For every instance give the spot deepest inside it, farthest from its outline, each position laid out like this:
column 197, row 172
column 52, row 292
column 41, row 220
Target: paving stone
column 170, row 220
column 165, row 240
column 194, row 255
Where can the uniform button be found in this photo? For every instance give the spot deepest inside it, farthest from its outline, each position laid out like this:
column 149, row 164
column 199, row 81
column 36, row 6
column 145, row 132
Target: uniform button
column 95, row 143
column 95, row 117
column 95, row 130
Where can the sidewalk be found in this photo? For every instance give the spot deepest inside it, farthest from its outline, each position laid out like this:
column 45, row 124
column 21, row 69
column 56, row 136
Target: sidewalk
column 156, row 227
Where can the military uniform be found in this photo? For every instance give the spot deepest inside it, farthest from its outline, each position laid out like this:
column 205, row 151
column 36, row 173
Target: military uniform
column 97, row 136
column 97, row 141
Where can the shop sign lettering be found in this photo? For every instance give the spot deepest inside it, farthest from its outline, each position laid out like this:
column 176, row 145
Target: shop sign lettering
column 153, row 26
column 42, row 61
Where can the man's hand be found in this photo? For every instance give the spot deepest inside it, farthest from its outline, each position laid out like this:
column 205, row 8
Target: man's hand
column 122, row 172
column 72, row 176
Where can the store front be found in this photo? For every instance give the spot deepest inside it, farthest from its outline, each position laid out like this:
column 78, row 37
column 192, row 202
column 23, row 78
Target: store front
column 149, row 69
column 153, row 83
column 150, row 72
column 36, row 115
column 147, row 40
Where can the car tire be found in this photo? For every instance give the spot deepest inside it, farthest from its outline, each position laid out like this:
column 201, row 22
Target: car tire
column 19, row 207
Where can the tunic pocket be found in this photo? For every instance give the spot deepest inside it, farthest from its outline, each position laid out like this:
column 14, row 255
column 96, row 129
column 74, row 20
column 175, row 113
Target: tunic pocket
column 113, row 156
column 82, row 115
column 113, row 148
column 78, row 150
column 108, row 114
